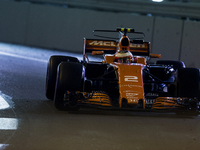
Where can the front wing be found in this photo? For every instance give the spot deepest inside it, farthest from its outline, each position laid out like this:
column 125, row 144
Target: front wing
column 101, row 99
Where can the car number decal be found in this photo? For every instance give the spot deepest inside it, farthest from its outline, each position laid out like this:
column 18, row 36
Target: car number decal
column 130, row 78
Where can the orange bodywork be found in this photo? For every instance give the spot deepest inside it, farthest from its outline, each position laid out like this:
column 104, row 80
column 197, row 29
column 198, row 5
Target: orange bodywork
column 130, row 86
column 130, row 83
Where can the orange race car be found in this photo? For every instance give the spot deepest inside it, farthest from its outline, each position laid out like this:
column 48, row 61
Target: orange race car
column 123, row 79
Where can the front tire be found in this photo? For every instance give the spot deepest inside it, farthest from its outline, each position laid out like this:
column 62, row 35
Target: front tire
column 52, row 66
column 69, row 79
column 188, row 82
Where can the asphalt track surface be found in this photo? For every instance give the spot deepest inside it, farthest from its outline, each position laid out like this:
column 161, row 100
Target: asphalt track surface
column 28, row 121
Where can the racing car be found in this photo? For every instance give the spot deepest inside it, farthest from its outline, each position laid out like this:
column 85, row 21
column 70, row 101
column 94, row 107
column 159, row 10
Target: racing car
column 124, row 78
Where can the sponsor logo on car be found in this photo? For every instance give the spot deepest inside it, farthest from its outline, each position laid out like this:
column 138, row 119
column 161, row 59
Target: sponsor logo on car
column 113, row 44
column 131, row 94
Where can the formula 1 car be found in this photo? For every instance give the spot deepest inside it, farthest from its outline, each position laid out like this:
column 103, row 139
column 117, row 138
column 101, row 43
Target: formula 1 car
column 125, row 78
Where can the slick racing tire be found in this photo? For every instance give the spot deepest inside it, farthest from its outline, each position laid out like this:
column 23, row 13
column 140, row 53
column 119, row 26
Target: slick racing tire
column 188, row 82
column 53, row 63
column 176, row 64
column 69, row 79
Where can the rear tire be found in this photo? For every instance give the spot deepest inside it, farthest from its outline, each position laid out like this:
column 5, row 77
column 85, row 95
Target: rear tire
column 69, row 78
column 52, row 66
column 176, row 64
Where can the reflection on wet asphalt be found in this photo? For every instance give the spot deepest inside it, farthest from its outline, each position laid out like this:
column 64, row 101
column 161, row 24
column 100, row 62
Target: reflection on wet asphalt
column 29, row 121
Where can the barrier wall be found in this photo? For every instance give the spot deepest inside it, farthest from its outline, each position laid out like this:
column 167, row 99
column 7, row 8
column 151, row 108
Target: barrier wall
column 62, row 28
column 13, row 21
column 190, row 49
column 167, row 38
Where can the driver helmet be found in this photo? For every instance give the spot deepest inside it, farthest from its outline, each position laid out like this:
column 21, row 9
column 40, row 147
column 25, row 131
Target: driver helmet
column 123, row 56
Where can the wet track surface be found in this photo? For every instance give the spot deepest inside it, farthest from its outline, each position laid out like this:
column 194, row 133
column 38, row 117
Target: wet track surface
column 29, row 121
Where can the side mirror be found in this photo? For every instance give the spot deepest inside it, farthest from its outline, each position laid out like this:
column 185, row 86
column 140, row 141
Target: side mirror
column 97, row 52
column 155, row 55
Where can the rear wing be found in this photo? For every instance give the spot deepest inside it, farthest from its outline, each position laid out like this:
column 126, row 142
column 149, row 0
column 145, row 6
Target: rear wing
column 110, row 47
